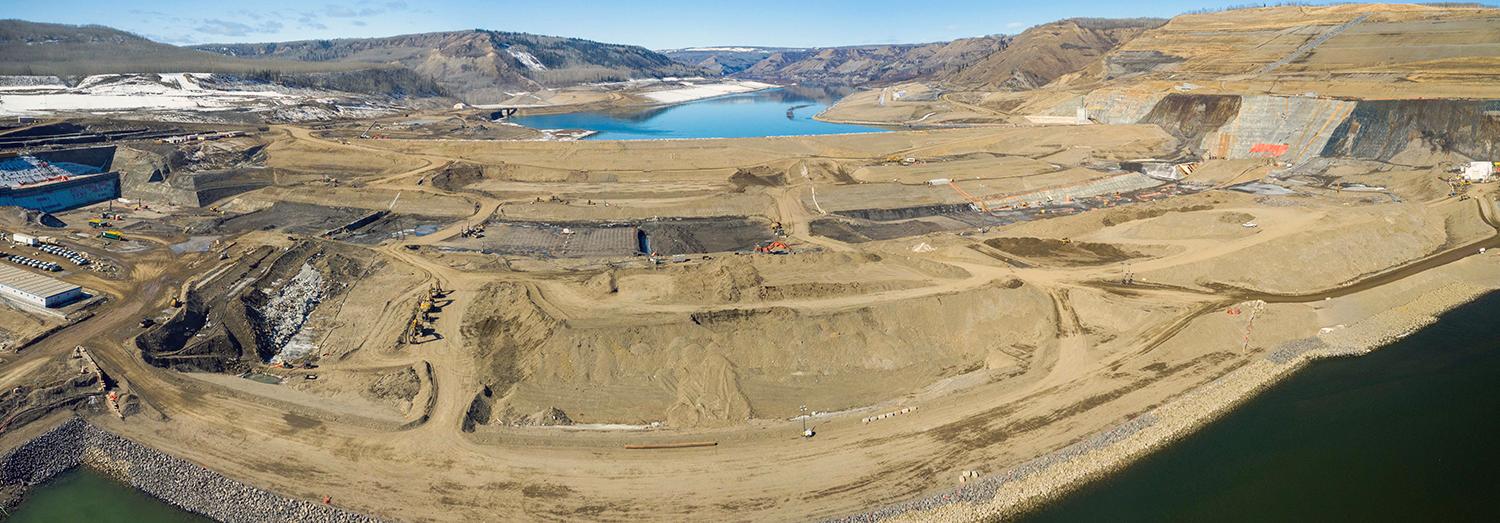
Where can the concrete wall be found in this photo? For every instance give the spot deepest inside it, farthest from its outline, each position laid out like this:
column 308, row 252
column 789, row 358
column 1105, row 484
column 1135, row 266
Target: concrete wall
column 70, row 194
column 1119, row 106
column 102, row 158
column 1303, row 124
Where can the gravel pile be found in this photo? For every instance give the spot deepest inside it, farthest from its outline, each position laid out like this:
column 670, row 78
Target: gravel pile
column 173, row 480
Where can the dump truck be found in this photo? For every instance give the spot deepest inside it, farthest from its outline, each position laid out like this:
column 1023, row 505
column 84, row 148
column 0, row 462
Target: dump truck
column 112, row 235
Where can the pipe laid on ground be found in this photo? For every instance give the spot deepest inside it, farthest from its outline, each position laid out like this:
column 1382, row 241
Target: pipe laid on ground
column 684, row 445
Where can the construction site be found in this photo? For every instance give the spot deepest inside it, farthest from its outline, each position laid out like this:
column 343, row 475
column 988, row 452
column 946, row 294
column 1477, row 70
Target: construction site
column 430, row 321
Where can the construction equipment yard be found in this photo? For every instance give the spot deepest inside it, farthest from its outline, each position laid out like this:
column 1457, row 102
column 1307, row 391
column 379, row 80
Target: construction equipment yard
column 970, row 319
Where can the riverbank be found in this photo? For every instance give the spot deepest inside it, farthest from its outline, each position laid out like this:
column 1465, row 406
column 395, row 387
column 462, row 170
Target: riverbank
column 1033, row 483
column 178, row 482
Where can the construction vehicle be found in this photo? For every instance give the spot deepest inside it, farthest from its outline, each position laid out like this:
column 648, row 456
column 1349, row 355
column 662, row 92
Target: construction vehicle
column 176, row 302
column 774, row 247
column 98, row 223
column 112, row 235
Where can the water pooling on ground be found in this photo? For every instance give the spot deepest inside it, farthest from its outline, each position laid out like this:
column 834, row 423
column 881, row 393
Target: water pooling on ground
column 83, row 494
column 772, row 112
column 1406, row 433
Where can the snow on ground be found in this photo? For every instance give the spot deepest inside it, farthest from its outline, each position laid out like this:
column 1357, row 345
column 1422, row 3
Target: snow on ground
column 105, row 93
column 174, row 97
column 29, row 83
column 528, row 60
column 688, row 91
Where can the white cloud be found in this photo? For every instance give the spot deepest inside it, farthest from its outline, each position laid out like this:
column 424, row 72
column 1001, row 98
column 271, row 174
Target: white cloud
column 215, row 26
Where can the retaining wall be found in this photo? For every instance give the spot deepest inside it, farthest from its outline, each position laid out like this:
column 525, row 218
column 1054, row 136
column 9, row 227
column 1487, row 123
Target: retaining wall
column 173, row 480
column 1303, row 124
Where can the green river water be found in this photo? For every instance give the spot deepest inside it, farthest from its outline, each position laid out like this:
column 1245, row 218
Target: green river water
column 1406, row 433
column 84, row 495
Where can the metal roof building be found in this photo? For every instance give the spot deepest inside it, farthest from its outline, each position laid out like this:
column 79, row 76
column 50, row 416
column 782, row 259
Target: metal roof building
column 34, row 289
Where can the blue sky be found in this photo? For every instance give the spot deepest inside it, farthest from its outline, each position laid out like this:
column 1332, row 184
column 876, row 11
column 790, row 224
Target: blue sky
column 655, row 24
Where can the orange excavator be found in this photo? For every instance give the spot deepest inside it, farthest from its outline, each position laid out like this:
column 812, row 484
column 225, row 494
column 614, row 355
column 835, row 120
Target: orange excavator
column 774, row 247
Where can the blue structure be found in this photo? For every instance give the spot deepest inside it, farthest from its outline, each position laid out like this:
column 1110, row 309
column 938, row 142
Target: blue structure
column 53, row 181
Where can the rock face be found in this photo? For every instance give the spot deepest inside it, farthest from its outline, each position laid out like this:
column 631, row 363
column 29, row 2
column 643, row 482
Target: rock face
column 479, row 66
column 173, row 480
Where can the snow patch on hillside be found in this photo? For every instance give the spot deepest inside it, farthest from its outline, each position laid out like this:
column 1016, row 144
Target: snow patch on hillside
column 527, row 60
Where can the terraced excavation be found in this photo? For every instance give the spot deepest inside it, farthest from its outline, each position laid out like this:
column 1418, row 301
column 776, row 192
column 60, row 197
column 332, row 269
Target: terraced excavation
column 956, row 318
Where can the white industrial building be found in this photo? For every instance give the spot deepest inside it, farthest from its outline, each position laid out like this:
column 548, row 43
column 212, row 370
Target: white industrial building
column 34, row 289
column 1479, row 171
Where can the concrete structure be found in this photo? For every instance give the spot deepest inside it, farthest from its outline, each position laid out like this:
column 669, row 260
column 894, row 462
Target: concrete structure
column 58, row 180
column 1479, row 171
column 34, row 289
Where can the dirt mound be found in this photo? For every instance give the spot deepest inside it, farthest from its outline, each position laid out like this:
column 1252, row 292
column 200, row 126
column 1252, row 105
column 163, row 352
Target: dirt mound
column 1236, row 218
column 1118, row 216
column 604, row 283
column 504, row 334
column 548, row 417
column 720, row 367
column 724, row 280
column 761, row 176
column 1063, row 252
column 400, row 384
column 457, row 175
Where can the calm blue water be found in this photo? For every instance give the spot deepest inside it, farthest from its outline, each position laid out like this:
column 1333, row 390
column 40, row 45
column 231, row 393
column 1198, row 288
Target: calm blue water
column 761, row 113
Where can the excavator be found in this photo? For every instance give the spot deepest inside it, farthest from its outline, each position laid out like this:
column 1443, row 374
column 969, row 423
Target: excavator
column 774, row 247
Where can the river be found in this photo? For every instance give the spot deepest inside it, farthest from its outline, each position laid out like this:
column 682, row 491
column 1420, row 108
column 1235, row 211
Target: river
column 771, row 112
column 1406, row 433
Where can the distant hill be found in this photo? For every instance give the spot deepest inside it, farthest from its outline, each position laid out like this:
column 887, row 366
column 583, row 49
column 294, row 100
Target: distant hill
column 70, row 51
column 1045, row 52
column 32, row 48
column 1026, row 61
column 843, row 65
column 725, row 60
column 478, row 66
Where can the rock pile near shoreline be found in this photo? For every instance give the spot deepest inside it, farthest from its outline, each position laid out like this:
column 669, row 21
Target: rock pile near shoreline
column 173, row 480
